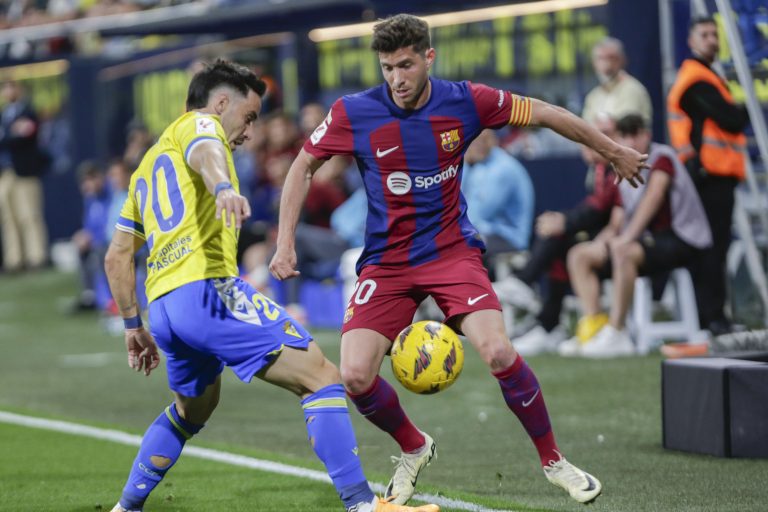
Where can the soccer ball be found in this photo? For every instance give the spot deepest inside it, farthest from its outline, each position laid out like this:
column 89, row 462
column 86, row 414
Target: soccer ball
column 427, row 357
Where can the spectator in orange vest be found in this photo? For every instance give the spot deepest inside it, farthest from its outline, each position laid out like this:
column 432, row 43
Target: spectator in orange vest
column 706, row 129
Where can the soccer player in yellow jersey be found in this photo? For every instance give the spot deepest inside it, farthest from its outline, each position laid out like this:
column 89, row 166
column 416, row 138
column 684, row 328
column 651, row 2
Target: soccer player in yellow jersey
column 184, row 203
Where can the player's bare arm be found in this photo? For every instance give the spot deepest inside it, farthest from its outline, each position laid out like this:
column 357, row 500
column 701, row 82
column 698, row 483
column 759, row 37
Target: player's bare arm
column 627, row 162
column 119, row 267
column 653, row 197
column 209, row 159
column 295, row 188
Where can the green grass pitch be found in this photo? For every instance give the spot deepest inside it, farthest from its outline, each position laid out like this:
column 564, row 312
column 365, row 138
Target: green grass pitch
column 606, row 416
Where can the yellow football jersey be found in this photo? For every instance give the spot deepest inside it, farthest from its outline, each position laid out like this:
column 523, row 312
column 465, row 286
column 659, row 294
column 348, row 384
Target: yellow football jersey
column 169, row 207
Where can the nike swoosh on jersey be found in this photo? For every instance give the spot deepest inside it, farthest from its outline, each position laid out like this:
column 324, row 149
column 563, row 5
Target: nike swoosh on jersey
column 529, row 402
column 473, row 300
column 382, row 154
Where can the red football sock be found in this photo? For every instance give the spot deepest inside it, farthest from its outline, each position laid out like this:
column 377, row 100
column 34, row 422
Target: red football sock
column 523, row 395
column 380, row 405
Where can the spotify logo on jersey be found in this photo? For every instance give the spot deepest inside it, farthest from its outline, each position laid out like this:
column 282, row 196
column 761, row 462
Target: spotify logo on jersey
column 399, row 183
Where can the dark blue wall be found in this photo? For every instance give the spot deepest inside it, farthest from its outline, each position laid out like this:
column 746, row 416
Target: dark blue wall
column 636, row 23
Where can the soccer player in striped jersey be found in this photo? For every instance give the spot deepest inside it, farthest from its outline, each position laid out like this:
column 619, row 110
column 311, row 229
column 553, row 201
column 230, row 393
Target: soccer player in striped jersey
column 409, row 136
column 201, row 315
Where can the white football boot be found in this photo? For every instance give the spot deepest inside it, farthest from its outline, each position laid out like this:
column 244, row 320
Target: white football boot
column 407, row 468
column 582, row 486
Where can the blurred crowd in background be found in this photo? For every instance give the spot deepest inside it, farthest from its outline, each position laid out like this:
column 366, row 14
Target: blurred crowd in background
column 526, row 256
column 19, row 14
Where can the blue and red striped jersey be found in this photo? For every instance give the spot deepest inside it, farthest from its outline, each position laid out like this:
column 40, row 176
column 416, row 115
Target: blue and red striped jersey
column 411, row 163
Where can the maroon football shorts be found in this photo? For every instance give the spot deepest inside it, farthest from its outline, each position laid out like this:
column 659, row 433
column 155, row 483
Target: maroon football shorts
column 385, row 298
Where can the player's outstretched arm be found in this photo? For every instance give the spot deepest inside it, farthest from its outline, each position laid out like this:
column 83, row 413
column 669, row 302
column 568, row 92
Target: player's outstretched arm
column 627, row 162
column 295, row 188
column 209, row 159
column 119, row 267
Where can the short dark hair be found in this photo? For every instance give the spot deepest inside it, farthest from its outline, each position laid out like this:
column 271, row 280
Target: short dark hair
column 401, row 31
column 121, row 162
column 89, row 169
column 700, row 20
column 222, row 72
column 630, row 124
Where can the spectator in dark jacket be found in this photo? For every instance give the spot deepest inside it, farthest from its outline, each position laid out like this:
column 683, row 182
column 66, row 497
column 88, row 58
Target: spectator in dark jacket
column 21, row 193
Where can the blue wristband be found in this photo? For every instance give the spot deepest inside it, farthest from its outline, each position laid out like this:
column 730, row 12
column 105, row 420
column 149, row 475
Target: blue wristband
column 132, row 323
column 224, row 185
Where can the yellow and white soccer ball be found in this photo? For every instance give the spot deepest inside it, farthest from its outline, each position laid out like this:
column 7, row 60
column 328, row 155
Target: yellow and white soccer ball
column 427, row 357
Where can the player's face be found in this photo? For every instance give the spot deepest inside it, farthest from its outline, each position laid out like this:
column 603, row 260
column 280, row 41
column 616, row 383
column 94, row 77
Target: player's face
column 641, row 141
column 119, row 177
column 238, row 115
column 704, row 41
column 10, row 92
column 607, row 61
column 407, row 74
column 92, row 185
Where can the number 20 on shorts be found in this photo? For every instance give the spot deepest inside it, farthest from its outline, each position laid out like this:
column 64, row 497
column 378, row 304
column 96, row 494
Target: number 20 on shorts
column 363, row 291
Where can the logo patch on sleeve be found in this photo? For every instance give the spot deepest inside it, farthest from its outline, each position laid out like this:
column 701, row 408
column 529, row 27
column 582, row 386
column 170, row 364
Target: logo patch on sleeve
column 205, row 125
column 290, row 329
column 321, row 130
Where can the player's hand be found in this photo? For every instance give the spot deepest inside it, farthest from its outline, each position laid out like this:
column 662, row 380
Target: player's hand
column 231, row 204
column 142, row 350
column 283, row 264
column 628, row 165
column 550, row 224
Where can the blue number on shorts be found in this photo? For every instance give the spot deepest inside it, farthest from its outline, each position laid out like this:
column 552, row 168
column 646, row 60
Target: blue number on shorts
column 140, row 195
column 174, row 197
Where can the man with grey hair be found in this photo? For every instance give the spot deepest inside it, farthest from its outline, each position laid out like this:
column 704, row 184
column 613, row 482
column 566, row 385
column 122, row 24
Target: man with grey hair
column 618, row 92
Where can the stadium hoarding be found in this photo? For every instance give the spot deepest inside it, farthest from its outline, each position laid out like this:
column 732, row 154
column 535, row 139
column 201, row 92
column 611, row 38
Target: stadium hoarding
column 537, row 52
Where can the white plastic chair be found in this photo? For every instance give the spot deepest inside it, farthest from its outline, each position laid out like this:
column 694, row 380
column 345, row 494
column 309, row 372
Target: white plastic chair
column 684, row 327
